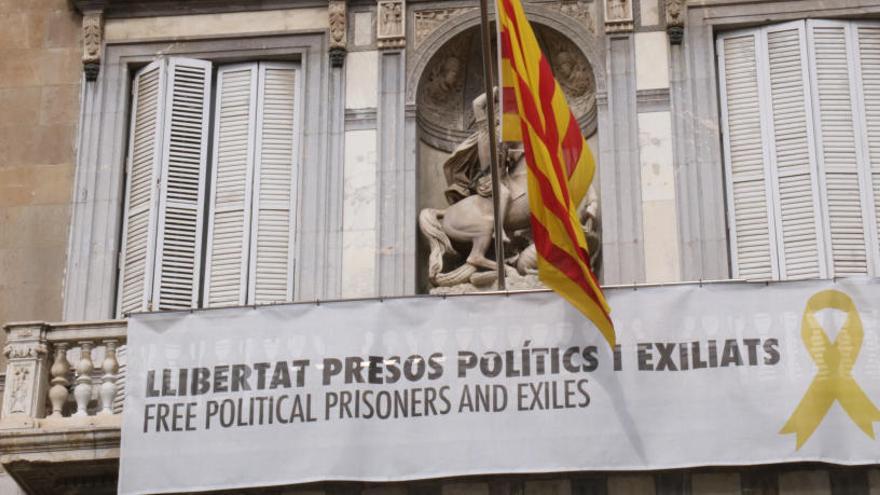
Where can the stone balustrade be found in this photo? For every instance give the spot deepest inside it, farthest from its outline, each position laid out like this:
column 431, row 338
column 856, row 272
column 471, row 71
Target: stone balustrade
column 62, row 374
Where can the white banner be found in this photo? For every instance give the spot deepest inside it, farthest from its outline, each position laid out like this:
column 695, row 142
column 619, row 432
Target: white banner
column 728, row 374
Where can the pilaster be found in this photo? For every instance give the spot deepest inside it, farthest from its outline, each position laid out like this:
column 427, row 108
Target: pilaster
column 620, row 170
column 697, row 155
column 396, row 195
column 338, row 13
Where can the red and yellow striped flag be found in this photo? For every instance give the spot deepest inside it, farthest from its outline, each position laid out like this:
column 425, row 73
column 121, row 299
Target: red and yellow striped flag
column 560, row 165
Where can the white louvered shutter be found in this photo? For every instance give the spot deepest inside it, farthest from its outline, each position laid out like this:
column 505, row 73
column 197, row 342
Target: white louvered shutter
column 141, row 192
column 868, row 71
column 838, row 153
column 272, row 239
column 792, row 160
column 752, row 231
column 184, row 165
column 226, row 266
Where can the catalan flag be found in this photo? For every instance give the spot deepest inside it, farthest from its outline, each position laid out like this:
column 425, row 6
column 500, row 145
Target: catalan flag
column 560, row 165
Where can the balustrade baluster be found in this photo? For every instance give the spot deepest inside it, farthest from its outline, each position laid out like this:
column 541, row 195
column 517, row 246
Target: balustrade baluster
column 83, row 390
column 59, row 392
column 108, row 385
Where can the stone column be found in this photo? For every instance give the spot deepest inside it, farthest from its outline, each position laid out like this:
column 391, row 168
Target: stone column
column 620, row 174
column 92, row 255
column 699, row 170
column 27, row 371
column 337, row 51
column 396, row 221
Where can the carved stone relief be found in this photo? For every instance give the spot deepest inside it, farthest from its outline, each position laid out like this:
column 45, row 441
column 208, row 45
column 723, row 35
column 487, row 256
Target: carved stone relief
column 93, row 34
column 24, row 350
column 618, row 16
column 427, row 21
column 390, row 27
column 579, row 10
column 443, row 86
column 20, row 390
column 675, row 20
column 337, row 12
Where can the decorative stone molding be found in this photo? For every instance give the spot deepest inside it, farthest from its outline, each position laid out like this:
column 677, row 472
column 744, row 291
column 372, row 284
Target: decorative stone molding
column 618, row 16
column 427, row 21
column 338, row 27
column 675, row 20
column 578, row 10
column 24, row 350
column 390, row 31
column 93, row 37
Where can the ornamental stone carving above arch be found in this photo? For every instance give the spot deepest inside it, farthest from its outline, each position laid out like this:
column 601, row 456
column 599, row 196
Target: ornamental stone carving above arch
column 432, row 28
column 453, row 79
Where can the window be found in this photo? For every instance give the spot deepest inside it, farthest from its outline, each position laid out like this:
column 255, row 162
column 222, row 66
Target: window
column 801, row 129
column 231, row 214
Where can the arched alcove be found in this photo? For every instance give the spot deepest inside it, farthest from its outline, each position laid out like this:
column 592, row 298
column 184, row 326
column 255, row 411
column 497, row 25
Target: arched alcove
column 451, row 78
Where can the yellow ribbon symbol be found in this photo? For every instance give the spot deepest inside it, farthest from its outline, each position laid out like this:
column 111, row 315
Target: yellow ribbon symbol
column 835, row 361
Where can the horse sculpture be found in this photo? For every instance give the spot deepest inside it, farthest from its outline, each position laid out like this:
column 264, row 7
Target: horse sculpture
column 470, row 216
column 471, row 220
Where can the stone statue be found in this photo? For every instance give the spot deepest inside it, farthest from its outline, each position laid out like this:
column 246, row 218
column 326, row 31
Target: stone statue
column 470, row 220
column 470, row 160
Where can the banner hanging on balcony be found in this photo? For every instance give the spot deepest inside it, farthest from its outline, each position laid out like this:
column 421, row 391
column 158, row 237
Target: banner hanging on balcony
column 728, row 374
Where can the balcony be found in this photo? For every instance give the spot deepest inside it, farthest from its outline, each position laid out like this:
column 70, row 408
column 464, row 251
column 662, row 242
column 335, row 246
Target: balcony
column 62, row 404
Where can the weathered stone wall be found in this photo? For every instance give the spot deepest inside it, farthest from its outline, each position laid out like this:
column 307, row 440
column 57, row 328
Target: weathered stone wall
column 40, row 75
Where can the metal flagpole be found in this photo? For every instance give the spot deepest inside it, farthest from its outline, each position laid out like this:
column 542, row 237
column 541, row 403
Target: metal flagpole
column 489, row 82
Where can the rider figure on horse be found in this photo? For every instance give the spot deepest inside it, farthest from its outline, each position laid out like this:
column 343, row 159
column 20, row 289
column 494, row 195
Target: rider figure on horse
column 467, row 169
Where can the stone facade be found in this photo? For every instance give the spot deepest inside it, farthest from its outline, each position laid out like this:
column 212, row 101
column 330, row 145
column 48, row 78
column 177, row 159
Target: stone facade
column 40, row 76
column 387, row 99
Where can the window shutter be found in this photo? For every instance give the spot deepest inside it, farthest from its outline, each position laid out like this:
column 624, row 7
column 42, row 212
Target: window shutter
column 144, row 150
column 184, row 161
column 229, row 225
column 272, row 240
column 748, row 195
column 792, row 160
column 837, row 146
column 869, row 77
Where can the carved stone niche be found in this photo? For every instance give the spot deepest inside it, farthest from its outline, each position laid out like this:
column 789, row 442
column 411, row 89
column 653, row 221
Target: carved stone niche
column 447, row 88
